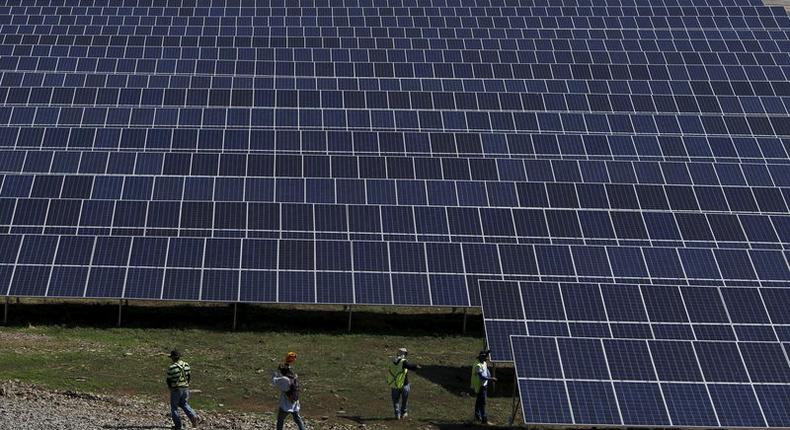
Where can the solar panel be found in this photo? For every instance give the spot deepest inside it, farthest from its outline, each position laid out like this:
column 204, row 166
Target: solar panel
column 671, row 383
column 748, row 313
column 396, row 152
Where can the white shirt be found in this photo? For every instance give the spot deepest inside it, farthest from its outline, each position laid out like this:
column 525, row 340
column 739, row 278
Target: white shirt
column 485, row 374
column 284, row 384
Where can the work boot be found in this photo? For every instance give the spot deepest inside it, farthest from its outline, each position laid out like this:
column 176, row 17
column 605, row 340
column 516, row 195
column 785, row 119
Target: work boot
column 195, row 420
column 404, row 415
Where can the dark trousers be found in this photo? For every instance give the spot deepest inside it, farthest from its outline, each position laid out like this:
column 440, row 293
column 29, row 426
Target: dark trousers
column 480, row 405
column 281, row 414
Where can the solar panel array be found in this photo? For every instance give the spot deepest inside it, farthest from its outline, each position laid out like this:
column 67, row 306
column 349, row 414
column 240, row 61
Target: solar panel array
column 632, row 311
column 629, row 382
column 389, row 151
column 631, row 354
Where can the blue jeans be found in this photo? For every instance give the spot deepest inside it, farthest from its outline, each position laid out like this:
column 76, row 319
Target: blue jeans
column 178, row 399
column 281, row 414
column 480, row 405
column 400, row 400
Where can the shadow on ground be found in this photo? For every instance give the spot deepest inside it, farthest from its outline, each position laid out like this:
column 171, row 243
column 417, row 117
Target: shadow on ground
column 392, row 422
column 468, row 426
column 456, row 379
column 368, row 420
column 302, row 319
column 122, row 427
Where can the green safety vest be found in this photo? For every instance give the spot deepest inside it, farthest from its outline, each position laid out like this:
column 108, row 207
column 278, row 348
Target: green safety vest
column 476, row 383
column 396, row 376
column 178, row 374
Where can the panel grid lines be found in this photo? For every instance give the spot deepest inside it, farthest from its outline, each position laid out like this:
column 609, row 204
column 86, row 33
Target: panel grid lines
column 619, row 168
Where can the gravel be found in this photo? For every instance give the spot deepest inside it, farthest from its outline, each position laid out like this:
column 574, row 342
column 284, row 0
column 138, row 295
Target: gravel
column 26, row 407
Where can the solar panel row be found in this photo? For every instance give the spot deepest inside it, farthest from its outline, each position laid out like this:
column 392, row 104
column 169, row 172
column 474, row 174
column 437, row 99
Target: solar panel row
column 653, row 382
column 438, row 274
column 640, row 354
column 398, row 223
column 137, row 30
column 191, row 4
column 640, row 311
column 751, row 167
column 551, row 147
column 729, row 125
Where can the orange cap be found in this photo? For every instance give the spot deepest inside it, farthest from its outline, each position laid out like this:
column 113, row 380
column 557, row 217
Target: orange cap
column 290, row 357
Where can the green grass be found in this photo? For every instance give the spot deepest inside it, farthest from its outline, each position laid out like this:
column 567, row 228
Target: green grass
column 72, row 347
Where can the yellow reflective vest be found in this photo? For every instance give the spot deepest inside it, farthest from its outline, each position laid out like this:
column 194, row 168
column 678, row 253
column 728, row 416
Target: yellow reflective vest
column 476, row 383
column 178, row 375
column 396, row 376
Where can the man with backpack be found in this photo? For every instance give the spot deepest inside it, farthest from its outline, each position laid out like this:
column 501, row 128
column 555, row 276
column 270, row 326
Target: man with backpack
column 178, row 378
column 288, row 383
column 398, row 381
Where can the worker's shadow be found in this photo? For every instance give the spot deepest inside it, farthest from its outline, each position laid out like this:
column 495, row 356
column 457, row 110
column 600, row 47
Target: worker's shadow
column 456, row 379
column 366, row 420
column 466, row 426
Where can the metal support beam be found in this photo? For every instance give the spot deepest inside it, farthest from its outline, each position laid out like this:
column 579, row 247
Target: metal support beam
column 493, row 375
column 5, row 310
column 463, row 329
column 516, row 405
column 235, row 315
column 120, row 312
column 350, row 312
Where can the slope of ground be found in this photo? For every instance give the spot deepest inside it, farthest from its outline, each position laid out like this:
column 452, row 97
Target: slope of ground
column 342, row 374
column 27, row 407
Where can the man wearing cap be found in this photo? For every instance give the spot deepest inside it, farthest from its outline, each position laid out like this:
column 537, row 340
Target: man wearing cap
column 398, row 381
column 178, row 377
column 480, row 377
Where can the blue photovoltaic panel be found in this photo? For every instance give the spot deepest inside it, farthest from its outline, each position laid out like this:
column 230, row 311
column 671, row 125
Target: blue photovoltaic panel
column 623, row 164
column 660, row 355
column 636, row 398
column 670, row 312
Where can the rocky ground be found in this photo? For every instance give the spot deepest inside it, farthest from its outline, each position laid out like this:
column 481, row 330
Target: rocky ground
column 27, row 407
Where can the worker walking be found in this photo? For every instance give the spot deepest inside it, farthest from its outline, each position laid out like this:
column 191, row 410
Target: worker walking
column 398, row 381
column 480, row 378
column 178, row 378
column 286, row 380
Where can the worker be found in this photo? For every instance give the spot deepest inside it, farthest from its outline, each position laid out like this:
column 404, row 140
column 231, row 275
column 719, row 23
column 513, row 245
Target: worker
column 398, row 381
column 178, row 378
column 480, row 378
column 286, row 380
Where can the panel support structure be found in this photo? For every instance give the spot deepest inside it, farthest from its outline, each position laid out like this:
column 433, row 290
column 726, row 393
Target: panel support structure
column 120, row 313
column 493, row 375
column 5, row 310
column 516, row 404
column 235, row 315
column 463, row 328
column 350, row 313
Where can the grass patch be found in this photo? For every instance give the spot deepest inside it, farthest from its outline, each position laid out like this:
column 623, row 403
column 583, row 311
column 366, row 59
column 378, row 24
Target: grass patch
column 75, row 347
